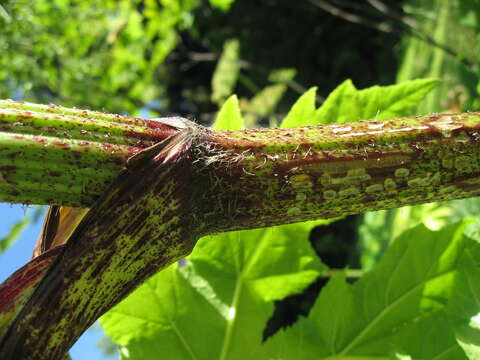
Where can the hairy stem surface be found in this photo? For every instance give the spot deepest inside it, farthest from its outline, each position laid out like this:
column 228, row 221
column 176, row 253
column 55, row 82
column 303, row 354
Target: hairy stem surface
column 275, row 176
column 54, row 155
column 195, row 181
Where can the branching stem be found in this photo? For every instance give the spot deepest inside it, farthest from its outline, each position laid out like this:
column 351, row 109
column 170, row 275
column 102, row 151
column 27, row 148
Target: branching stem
column 155, row 187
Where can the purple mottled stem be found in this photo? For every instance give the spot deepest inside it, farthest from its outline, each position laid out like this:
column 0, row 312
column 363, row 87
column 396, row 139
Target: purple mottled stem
column 196, row 182
column 276, row 176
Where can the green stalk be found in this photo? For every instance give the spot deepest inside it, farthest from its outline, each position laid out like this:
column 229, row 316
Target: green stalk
column 197, row 182
column 275, row 176
column 54, row 155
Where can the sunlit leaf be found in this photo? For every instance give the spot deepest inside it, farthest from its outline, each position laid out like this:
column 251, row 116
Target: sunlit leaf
column 215, row 304
column 379, row 228
column 414, row 276
column 302, row 112
column 429, row 337
column 464, row 307
column 229, row 117
column 347, row 104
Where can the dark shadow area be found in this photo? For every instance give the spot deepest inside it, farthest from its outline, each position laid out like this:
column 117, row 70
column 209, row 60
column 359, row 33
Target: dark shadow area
column 336, row 245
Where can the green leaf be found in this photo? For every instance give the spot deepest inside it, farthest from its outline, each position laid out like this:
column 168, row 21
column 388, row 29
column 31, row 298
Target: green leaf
column 464, row 307
column 14, row 233
column 340, row 106
column 302, row 112
column 361, row 320
column 229, row 117
column 429, row 337
column 347, row 104
column 263, row 103
column 18, row 227
column 216, row 303
column 282, row 75
column 226, row 73
column 421, row 60
column 379, row 228
column 223, row 5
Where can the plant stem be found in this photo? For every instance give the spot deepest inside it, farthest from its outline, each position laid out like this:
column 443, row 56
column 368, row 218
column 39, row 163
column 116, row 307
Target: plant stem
column 138, row 227
column 196, row 182
column 272, row 176
column 54, row 155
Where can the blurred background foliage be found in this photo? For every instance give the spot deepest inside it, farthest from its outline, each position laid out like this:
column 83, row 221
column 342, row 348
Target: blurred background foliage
column 164, row 57
column 188, row 56
column 31, row 215
column 122, row 56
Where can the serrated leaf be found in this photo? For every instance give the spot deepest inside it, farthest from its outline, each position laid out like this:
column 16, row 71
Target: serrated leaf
column 347, row 104
column 216, row 303
column 302, row 112
column 360, row 320
column 229, row 117
column 226, row 73
column 387, row 102
column 340, row 105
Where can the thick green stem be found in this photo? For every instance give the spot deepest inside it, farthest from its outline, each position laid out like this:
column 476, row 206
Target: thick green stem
column 272, row 176
column 196, row 182
column 139, row 226
column 54, row 155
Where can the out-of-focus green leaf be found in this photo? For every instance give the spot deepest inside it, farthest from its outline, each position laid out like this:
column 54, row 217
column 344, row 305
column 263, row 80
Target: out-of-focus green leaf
column 4, row 15
column 226, row 72
column 302, row 112
column 14, row 233
column 282, row 75
column 414, row 277
column 262, row 104
column 215, row 304
column 454, row 25
column 17, row 228
column 223, row 5
column 229, row 117
column 65, row 51
column 347, row 104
